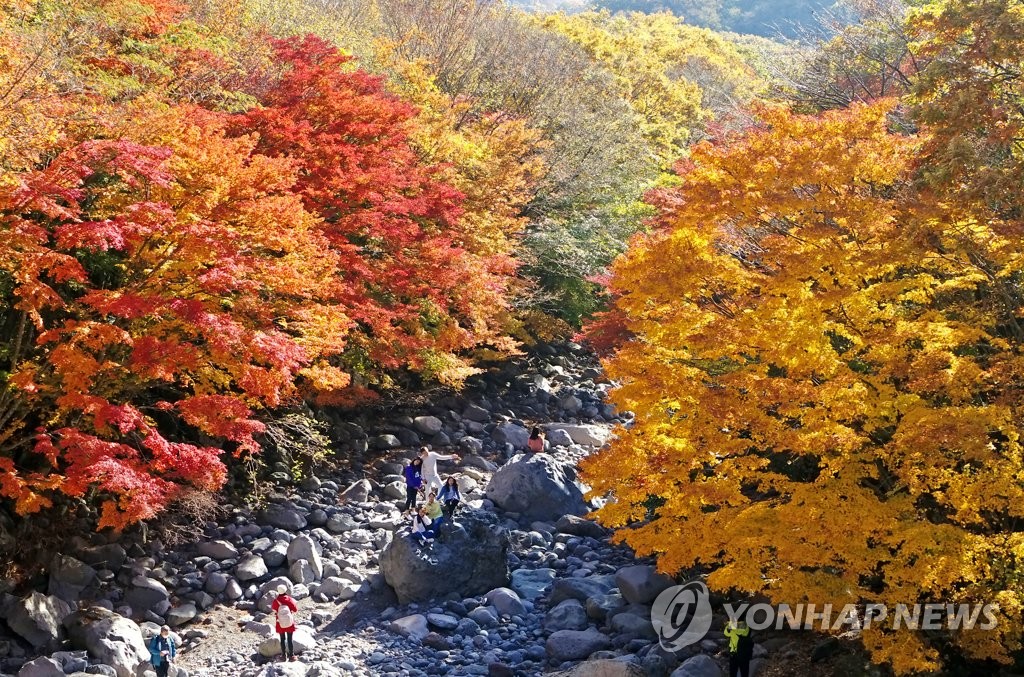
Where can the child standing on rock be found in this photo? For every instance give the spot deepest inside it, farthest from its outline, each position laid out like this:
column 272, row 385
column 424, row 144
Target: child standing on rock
column 413, row 482
column 284, row 612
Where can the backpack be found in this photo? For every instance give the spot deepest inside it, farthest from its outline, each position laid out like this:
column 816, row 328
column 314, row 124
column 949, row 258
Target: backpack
column 284, row 616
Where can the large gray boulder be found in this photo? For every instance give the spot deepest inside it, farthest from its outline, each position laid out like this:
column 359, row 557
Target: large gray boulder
column 568, row 614
column 304, row 548
column 574, row 645
column 510, row 433
column 145, row 593
column 69, row 577
column 586, row 435
column 641, row 584
column 580, row 588
column 603, row 667
column 111, row 639
column 428, row 425
column 468, row 559
column 532, row 583
column 37, row 619
column 537, row 487
column 283, row 516
column 41, row 667
column 218, row 550
column 698, row 666
column 357, row 492
column 303, row 640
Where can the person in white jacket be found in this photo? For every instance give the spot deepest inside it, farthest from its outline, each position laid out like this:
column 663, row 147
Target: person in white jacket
column 429, row 470
column 421, row 531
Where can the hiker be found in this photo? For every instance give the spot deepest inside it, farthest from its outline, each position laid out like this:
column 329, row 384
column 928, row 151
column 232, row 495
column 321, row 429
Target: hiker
column 741, row 648
column 450, row 496
column 413, row 482
column 162, row 651
column 421, row 531
column 430, row 459
column 284, row 611
column 434, row 511
column 536, row 442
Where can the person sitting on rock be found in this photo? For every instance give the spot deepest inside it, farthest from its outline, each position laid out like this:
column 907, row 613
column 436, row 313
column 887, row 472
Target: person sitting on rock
column 284, row 612
column 413, row 482
column 421, row 524
column 450, row 496
column 430, row 459
column 536, row 443
column 162, row 651
column 434, row 511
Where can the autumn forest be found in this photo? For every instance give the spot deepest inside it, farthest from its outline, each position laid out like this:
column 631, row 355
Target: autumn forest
column 800, row 260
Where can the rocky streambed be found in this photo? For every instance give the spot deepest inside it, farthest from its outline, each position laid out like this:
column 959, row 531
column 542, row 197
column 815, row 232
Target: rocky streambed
column 518, row 584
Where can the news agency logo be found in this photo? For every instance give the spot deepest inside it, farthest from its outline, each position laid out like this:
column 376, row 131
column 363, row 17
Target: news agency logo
column 681, row 615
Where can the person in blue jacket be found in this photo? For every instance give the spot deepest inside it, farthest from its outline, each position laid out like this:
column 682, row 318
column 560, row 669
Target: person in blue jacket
column 413, row 482
column 450, row 497
column 162, row 651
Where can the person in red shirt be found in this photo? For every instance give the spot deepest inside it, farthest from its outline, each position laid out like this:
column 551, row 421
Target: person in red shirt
column 284, row 612
column 536, row 441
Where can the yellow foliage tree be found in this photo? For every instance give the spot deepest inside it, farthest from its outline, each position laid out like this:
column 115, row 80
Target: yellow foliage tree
column 825, row 370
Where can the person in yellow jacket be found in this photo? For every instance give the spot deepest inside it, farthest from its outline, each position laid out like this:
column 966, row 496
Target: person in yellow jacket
column 741, row 648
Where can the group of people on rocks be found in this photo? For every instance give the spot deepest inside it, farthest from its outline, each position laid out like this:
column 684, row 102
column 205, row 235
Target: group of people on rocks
column 442, row 497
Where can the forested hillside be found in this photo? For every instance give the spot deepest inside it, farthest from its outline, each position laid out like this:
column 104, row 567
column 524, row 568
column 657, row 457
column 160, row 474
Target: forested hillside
column 770, row 18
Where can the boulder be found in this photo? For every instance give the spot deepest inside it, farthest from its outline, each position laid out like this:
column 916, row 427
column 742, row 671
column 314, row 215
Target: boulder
column 37, row 619
column 469, row 559
column 251, row 568
column 584, row 435
column 603, row 667
column 283, row 516
column 301, row 573
column 110, row 556
column 443, row 621
column 575, row 645
column 475, row 412
column 510, row 433
column 145, row 593
column 558, row 438
column 216, row 582
column 336, row 587
column 385, row 442
column 578, row 526
column 580, row 588
column 641, row 584
column 413, row 627
column 633, row 626
column 340, row 523
column 274, row 556
column 304, row 548
column 182, row 614
column 698, row 666
column 568, row 614
column 357, row 492
column 600, row 607
column 218, row 550
column 302, row 640
column 69, row 577
column 42, row 667
column 427, row 425
column 571, row 404
column 532, row 583
column 72, row 661
column 110, row 639
column 506, row 602
column 537, row 487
